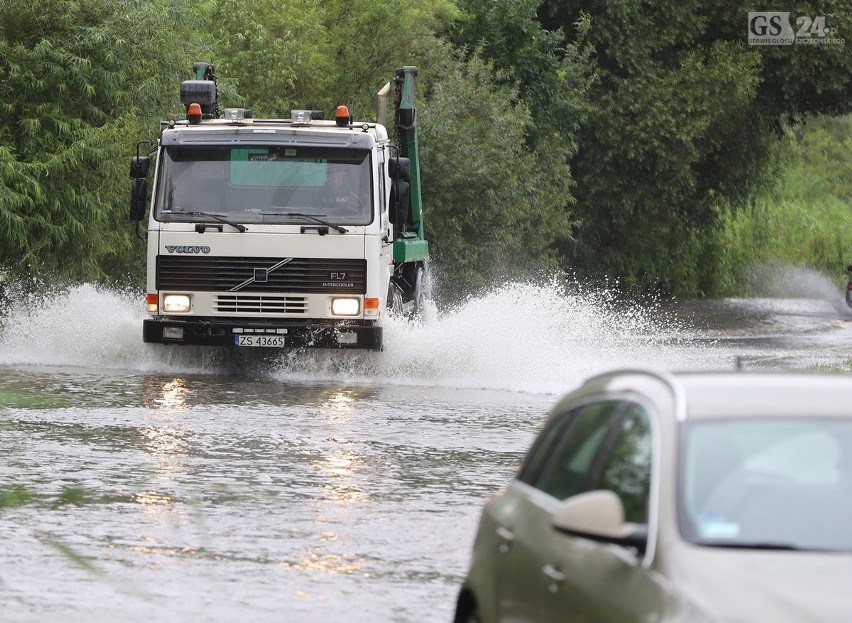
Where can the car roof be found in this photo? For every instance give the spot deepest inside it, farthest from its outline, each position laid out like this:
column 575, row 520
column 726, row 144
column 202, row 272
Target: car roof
column 736, row 394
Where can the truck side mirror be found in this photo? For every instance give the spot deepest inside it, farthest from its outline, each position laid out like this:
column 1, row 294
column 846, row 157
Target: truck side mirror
column 399, row 202
column 139, row 191
column 399, row 168
column 138, row 197
column 139, row 166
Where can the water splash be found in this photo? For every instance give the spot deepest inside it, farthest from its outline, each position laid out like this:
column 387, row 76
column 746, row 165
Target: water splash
column 781, row 279
column 517, row 336
column 83, row 325
column 536, row 337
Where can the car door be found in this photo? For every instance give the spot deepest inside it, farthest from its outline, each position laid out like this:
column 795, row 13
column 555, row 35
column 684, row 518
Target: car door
column 596, row 582
column 522, row 518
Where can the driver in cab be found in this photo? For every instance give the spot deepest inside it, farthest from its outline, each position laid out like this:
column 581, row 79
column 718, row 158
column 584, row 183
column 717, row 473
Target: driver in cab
column 339, row 195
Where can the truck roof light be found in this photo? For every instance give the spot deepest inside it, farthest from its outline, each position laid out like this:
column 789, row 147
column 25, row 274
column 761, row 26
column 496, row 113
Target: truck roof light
column 341, row 115
column 193, row 112
column 238, row 114
column 300, row 117
column 304, row 117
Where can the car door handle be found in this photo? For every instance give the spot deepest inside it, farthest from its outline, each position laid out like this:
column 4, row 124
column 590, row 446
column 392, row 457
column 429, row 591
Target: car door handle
column 505, row 534
column 554, row 574
column 506, row 537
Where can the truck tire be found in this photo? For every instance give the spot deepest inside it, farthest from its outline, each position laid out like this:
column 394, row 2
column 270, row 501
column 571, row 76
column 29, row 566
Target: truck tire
column 395, row 304
column 422, row 292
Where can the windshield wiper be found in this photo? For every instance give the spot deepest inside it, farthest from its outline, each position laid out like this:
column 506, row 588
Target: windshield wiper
column 312, row 217
column 759, row 545
column 216, row 217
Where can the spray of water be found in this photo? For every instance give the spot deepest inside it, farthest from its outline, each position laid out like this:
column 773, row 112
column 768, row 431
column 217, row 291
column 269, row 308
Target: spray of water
column 536, row 337
column 79, row 326
column 785, row 280
column 540, row 337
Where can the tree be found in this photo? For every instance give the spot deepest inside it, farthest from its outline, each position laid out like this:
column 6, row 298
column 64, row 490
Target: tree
column 78, row 83
column 304, row 54
column 545, row 71
column 684, row 121
column 488, row 196
column 270, row 56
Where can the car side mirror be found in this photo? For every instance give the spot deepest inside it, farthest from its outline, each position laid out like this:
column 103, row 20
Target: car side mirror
column 599, row 516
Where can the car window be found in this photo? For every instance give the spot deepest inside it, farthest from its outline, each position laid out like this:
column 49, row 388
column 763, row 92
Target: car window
column 542, row 447
column 570, row 467
column 627, row 467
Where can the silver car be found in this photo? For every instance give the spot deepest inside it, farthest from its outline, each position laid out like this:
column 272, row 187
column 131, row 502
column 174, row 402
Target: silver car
column 691, row 497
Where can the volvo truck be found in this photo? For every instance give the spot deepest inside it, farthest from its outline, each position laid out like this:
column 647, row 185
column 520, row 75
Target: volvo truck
column 299, row 232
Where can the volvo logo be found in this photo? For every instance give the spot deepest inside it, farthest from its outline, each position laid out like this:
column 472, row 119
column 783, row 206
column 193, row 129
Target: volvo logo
column 261, row 275
column 187, row 249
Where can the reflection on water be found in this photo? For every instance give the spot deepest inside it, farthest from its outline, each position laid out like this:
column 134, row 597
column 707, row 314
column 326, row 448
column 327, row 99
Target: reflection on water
column 152, row 499
column 173, row 395
column 316, row 559
column 341, row 401
column 340, row 473
column 165, row 442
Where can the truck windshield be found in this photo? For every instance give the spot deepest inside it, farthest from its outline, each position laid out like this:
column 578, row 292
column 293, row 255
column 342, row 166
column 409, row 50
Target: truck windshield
column 262, row 184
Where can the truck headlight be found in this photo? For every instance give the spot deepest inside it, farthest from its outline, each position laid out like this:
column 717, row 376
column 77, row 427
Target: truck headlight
column 345, row 306
column 176, row 303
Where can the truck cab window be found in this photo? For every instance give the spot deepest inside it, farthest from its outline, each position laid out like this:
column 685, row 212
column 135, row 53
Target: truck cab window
column 262, row 184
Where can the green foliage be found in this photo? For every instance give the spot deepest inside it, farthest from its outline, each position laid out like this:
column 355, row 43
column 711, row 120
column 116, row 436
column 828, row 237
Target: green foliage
column 550, row 76
column 75, row 87
column 820, row 160
column 371, row 39
column 804, row 218
column 683, row 119
column 489, row 198
column 275, row 63
column 306, row 54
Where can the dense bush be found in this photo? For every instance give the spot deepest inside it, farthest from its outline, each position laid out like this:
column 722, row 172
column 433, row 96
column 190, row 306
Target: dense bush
column 79, row 83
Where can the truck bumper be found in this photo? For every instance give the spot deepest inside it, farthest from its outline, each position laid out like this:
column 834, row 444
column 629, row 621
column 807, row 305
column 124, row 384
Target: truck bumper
column 282, row 333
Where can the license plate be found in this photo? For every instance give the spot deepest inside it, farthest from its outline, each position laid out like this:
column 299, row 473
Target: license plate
column 268, row 341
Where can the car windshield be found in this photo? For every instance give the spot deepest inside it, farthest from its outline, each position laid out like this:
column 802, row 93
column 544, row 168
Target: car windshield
column 265, row 184
column 767, row 483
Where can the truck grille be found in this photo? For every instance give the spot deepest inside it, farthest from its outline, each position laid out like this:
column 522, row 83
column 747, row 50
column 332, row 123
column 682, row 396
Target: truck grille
column 247, row 304
column 261, row 274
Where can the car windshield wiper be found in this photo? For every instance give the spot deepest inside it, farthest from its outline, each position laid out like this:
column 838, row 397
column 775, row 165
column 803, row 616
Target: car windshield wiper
column 311, row 217
column 216, row 217
column 765, row 546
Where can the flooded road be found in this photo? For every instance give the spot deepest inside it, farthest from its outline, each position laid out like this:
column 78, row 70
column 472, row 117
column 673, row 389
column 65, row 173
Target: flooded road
column 141, row 483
